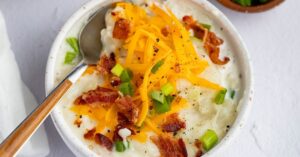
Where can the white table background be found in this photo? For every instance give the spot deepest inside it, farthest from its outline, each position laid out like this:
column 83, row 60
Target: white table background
column 273, row 128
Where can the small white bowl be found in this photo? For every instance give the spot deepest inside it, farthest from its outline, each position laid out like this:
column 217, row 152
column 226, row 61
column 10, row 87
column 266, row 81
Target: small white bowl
column 241, row 53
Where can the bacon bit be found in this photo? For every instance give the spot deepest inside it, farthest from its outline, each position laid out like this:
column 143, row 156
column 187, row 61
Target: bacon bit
column 183, row 148
column 128, row 108
column 199, row 153
column 105, row 64
column 214, row 52
column 173, row 123
column 123, row 120
column 103, row 141
column 169, row 147
column 199, row 32
column 198, row 144
column 177, row 68
column 77, row 122
column 121, row 29
column 113, row 13
column 115, row 81
column 211, row 41
column 188, row 21
column 165, row 31
column 104, row 97
column 89, row 135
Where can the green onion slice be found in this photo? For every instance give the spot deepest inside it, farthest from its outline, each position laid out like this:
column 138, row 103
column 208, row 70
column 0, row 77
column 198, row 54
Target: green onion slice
column 157, row 66
column 73, row 42
column 126, row 88
column 232, row 94
column 69, row 57
column 209, row 139
column 120, row 147
column 158, row 96
column 167, row 89
column 126, row 75
column 117, row 70
column 219, row 99
column 161, row 107
column 244, row 2
column 207, row 26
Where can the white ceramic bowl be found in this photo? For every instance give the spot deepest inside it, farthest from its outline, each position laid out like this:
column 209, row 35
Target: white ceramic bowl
column 78, row 148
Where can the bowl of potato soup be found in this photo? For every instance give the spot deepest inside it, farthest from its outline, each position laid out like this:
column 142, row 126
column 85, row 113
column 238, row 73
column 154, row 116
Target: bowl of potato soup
column 173, row 79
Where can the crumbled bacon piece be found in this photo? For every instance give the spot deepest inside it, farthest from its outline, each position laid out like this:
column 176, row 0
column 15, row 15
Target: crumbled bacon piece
column 198, row 144
column 103, row 141
column 89, row 135
column 105, row 64
column 199, row 153
column 116, row 136
column 104, row 97
column 177, row 68
column 188, row 21
column 115, row 81
column 77, row 122
column 165, row 31
column 123, row 120
column 212, row 42
column 213, row 39
column 121, row 29
column 128, row 108
column 214, row 52
column 173, row 123
column 169, row 147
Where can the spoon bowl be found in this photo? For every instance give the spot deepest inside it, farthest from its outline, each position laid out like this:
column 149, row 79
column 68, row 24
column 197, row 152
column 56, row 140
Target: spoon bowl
column 90, row 48
column 90, row 36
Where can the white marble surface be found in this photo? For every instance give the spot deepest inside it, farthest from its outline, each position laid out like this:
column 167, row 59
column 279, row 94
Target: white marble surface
column 273, row 128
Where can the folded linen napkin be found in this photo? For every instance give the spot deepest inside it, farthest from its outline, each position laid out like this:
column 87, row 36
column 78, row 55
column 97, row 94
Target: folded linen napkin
column 16, row 101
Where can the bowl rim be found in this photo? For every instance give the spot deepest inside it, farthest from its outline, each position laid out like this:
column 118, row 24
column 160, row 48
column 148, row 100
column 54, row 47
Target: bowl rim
column 80, row 149
column 250, row 9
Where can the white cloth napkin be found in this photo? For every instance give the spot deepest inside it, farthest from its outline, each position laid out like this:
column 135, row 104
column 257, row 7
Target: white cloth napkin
column 16, row 101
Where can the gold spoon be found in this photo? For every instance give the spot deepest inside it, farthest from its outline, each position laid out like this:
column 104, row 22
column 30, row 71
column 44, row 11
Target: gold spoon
column 90, row 48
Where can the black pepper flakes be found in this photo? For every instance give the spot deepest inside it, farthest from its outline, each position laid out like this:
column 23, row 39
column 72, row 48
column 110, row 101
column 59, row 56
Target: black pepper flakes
column 157, row 39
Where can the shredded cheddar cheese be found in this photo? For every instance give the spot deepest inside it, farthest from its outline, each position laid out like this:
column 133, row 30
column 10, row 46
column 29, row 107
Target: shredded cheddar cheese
column 146, row 46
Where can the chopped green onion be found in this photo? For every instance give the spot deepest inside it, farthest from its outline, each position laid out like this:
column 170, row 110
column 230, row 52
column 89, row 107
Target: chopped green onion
column 207, row 26
column 128, row 144
column 70, row 56
column 263, row 1
column 209, row 139
column 126, row 75
column 120, row 147
column 232, row 94
column 167, row 89
column 243, row 2
column 161, row 107
column 194, row 39
column 158, row 96
column 126, row 88
column 220, row 96
column 169, row 99
column 157, row 66
column 73, row 42
column 117, row 70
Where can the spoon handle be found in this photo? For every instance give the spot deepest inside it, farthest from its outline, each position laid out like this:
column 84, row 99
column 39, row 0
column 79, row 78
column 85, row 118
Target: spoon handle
column 12, row 144
column 19, row 136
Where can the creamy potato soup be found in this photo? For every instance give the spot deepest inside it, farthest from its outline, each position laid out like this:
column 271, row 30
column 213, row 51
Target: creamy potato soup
column 166, row 84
